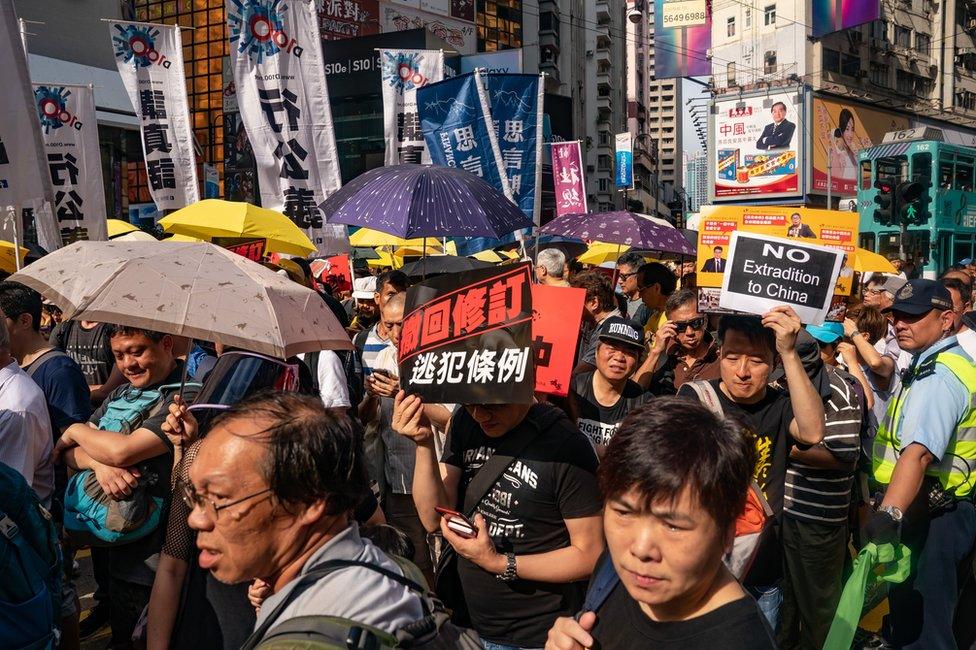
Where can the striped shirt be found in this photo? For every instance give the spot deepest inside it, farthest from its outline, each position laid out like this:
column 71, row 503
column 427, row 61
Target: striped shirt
column 824, row 495
column 372, row 348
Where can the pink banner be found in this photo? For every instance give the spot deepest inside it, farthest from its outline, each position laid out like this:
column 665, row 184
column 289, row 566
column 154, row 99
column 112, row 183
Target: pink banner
column 567, row 178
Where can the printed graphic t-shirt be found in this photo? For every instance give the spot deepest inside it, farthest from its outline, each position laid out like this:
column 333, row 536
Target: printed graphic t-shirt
column 553, row 479
column 91, row 349
column 599, row 422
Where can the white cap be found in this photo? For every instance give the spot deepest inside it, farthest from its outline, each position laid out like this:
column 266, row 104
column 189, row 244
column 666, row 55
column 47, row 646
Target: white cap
column 364, row 288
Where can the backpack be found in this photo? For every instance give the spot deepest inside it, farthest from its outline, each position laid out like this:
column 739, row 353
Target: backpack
column 320, row 632
column 755, row 519
column 94, row 518
column 30, row 566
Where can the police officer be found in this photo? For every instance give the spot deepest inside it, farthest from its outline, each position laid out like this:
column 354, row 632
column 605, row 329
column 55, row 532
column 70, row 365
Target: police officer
column 924, row 458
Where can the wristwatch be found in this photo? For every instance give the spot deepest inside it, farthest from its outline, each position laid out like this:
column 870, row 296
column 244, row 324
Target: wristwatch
column 893, row 512
column 510, row 569
column 854, row 333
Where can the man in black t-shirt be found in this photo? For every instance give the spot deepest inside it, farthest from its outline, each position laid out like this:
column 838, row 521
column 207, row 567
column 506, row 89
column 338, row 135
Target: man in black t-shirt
column 88, row 343
column 538, row 526
column 601, row 398
column 673, row 478
column 749, row 349
column 135, row 451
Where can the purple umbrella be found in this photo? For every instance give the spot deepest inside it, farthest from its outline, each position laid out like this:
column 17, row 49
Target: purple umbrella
column 625, row 228
column 424, row 201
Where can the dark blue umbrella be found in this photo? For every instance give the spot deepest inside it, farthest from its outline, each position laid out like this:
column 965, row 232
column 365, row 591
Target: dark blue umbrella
column 626, row 228
column 424, row 201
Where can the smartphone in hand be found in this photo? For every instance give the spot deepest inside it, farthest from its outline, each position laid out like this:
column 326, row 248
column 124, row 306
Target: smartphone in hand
column 458, row 522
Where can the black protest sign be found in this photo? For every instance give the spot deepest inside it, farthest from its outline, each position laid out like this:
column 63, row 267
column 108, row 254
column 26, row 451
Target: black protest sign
column 766, row 271
column 467, row 338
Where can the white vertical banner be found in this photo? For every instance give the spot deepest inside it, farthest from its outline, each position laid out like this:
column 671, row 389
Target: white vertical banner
column 24, row 181
column 70, row 133
column 150, row 62
column 402, row 73
column 276, row 56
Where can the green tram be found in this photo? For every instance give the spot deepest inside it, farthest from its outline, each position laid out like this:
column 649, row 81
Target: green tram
column 931, row 185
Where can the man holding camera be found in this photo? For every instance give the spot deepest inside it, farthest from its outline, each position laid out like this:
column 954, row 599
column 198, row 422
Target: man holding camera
column 924, row 457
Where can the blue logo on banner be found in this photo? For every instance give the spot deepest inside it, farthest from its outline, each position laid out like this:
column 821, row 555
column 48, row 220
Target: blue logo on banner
column 456, row 129
column 137, row 43
column 52, row 108
column 625, row 170
column 516, row 112
column 258, row 28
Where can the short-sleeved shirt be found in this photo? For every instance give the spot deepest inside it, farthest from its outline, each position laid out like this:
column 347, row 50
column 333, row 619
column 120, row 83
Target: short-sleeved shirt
column 553, row 479
column 26, row 440
column 593, row 340
column 769, row 419
column 738, row 625
column 136, row 561
column 823, row 496
column 331, row 377
column 65, row 390
column 673, row 372
column 90, row 348
column 372, row 348
column 637, row 311
column 920, row 422
column 599, row 422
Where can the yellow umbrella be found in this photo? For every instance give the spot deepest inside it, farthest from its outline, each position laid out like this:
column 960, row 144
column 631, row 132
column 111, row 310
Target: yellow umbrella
column 865, row 261
column 215, row 218
column 118, row 227
column 385, row 259
column 602, row 252
column 184, row 238
column 135, row 235
column 488, row 256
column 433, row 248
column 8, row 263
column 367, row 237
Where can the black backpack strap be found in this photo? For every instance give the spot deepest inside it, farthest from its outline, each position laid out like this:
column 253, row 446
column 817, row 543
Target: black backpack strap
column 53, row 353
column 604, row 580
column 320, row 571
column 312, row 361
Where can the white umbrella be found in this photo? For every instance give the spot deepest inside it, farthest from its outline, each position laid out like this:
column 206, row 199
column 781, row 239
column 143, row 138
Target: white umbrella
column 196, row 290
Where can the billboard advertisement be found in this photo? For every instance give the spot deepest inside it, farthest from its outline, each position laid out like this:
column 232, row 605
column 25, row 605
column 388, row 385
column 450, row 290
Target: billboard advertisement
column 682, row 37
column 339, row 19
column 623, row 170
column 758, row 147
column 840, row 130
column 831, row 228
column 460, row 34
column 502, row 62
column 835, row 15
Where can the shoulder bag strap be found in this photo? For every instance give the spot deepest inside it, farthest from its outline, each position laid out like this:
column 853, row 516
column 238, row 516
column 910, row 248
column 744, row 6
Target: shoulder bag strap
column 494, row 467
column 53, row 353
column 605, row 578
column 707, row 396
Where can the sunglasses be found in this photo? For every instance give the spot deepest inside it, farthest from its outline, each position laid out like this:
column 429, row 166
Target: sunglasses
column 695, row 324
column 624, row 276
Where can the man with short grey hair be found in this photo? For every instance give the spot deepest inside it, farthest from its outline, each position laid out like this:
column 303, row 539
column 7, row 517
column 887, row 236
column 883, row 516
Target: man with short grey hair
column 550, row 268
column 627, row 266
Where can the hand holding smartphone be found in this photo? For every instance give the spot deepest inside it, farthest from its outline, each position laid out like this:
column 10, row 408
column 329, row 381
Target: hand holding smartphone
column 458, row 523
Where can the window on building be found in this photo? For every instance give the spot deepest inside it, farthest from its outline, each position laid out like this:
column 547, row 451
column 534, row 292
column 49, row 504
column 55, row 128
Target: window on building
column 769, row 62
column 924, row 86
column 923, row 43
column 903, row 36
column 603, row 163
column 730, row 26
column 747, row 18
column 904, row 82
column 879, row 74
column 730, row 73
column 769, row 15
column 499, row 24
column 604, row 184
column 831, row 60
column 865, row 174
column 879, row 29
column 604, row 137
column 963, row 179
column 965, row 99
column 850, row 65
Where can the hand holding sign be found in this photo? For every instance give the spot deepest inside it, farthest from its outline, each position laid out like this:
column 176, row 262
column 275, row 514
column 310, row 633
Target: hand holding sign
column 786, row 324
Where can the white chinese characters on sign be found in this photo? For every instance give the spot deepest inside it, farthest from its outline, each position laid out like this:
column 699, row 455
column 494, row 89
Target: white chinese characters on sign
column 567, row 172
column 470, row 367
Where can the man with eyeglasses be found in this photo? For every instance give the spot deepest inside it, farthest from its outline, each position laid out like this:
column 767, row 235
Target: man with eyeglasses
column 628, row 265
column 271, row 493
column 655, row 283
column 538, row 528
column 683, row 349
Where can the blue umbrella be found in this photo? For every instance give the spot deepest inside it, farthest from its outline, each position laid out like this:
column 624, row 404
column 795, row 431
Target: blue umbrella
column 424, row 201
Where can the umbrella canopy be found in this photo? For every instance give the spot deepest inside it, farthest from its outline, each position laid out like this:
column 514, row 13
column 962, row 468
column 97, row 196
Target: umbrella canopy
column 865, row 261
column 373, row 238
column 628, row 228
column 601, row 252
column 182, row 238
column 424, row 201
column 135, row 235
column 439, row 264
column 488, row 256
column 216, row 218
column 363, row 252
column 118, row 227
column 8, row 262
column 196, row 290
column 383, row 259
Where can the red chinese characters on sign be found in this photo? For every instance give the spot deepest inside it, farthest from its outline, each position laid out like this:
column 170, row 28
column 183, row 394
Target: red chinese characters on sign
column 488, row 304
column 556, row 316
column 252, row 250
column 341, row 19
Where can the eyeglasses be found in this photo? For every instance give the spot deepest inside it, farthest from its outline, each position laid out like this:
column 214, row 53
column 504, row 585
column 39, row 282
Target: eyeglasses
column 624, row 276
column 194, row 499
column 874, row 292
column 695, row 324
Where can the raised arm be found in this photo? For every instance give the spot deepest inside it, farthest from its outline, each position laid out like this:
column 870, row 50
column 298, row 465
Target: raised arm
column 808, row 423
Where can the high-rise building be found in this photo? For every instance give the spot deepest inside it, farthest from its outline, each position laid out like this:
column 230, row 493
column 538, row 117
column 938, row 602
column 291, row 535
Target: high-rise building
column 696, row 180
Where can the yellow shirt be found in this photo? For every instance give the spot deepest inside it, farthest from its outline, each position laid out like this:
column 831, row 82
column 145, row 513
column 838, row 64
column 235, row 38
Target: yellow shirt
column 654, row 322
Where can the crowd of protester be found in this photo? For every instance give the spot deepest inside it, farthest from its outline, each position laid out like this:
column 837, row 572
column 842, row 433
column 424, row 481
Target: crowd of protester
column 314, row 493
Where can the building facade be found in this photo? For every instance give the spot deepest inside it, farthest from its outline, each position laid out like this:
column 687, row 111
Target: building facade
column 696, row 180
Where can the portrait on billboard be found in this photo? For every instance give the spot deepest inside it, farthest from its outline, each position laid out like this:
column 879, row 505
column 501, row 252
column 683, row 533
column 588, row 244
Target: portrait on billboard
column 778, row 134
column 798, row 229
column 715, row 263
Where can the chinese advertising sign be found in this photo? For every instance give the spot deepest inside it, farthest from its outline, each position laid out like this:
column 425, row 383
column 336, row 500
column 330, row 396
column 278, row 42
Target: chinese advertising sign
column 835, row 15
column 339, row 19
column 467, row 338
column 567, row 178
column 758, row 147
column 682, row 37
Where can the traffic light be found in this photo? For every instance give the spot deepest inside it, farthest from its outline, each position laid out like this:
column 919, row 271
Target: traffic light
column 883, row 211
column 909, row 206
